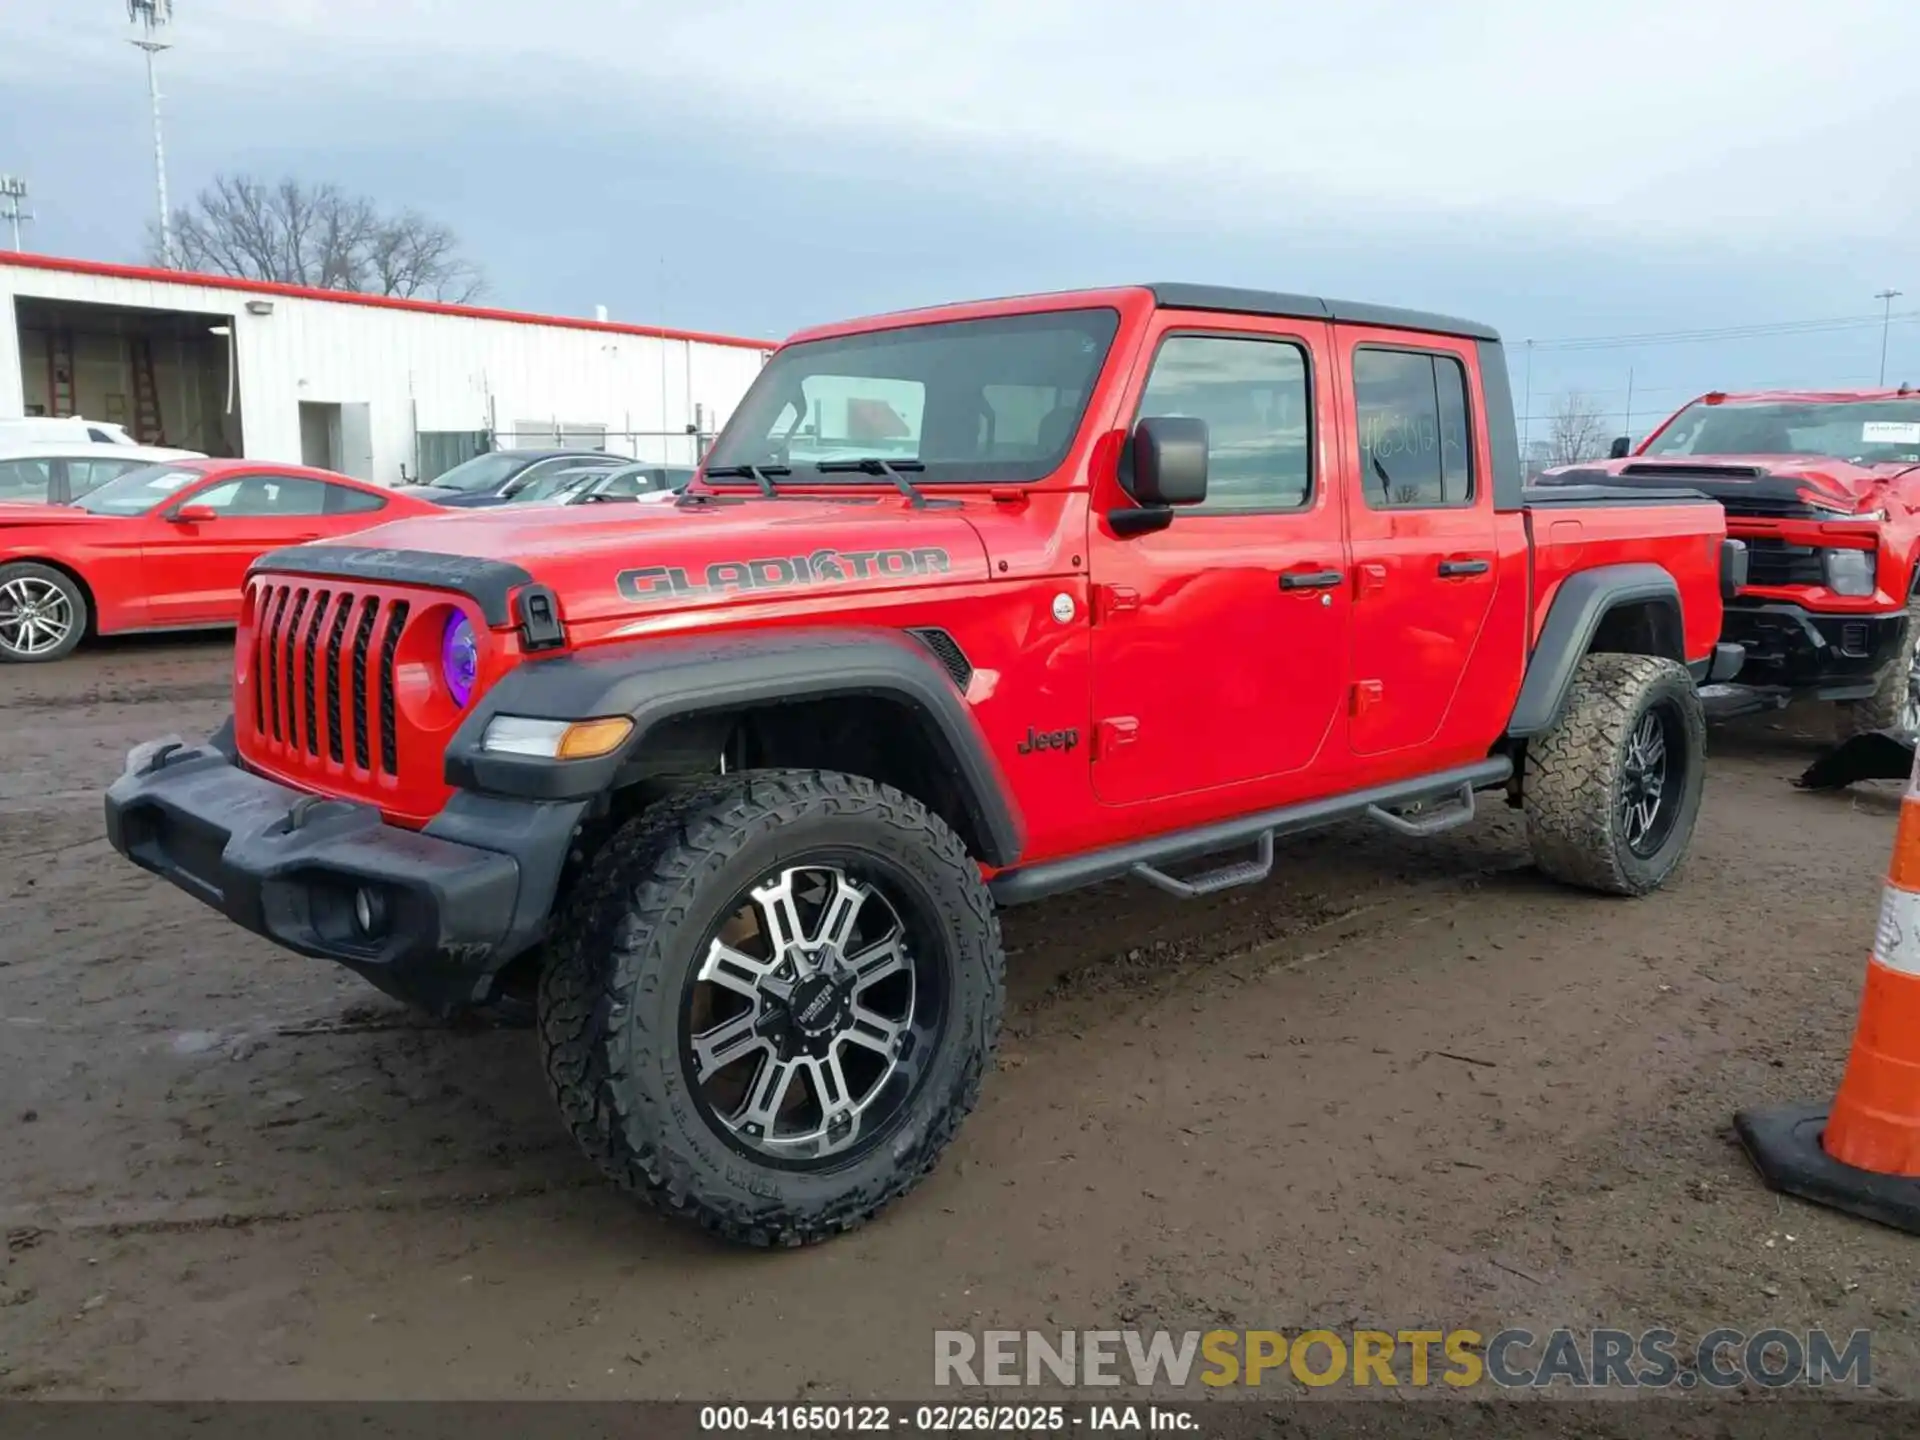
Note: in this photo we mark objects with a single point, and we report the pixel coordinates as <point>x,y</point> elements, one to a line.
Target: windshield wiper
<point>887,469</point>
<point>756,473</point>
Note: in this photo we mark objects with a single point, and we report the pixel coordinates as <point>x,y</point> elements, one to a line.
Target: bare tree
<point>319,235</point>
<point>1578,431</point>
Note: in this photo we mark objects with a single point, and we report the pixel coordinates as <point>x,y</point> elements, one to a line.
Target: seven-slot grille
<point>323,673</point>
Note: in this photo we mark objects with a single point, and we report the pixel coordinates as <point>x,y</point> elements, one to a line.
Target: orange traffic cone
<point>1863,1154</point>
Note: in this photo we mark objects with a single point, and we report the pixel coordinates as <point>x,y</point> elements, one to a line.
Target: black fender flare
<point>1582,602</point>
<point>662,679</point>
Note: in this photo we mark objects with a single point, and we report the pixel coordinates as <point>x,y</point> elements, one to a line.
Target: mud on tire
<point>1587,778</point>
<point>633,952</point>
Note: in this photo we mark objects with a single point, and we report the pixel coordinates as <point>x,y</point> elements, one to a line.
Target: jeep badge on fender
<point>742,816</point>
<point>1047,740</point>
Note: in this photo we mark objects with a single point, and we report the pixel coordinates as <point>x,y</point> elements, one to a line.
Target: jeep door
<point>1220,643</point>
<point>1421,525</point>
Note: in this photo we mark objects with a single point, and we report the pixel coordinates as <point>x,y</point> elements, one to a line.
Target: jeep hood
<point>1835,484</point>
<point>607,562</point>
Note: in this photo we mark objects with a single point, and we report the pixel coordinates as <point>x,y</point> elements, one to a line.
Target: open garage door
<point>162,374</point>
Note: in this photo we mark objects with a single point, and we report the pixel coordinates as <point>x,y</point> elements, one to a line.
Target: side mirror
<point>1621,445</point>
<point>1169,461</point>
<point>194,515</point>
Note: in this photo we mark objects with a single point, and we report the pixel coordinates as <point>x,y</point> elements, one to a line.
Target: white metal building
<point>370,386</point>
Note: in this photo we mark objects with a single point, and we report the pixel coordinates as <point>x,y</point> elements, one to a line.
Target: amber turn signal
<point>589,739</point>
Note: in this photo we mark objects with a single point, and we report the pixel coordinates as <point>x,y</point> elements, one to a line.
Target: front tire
<point>43,613</point>
<point>1895,702</point>
<point>1613,789</point>
<point>769,1003</point>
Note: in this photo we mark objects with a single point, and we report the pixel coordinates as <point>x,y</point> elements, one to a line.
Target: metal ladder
<point>60,372</point>
<point>147,426</point>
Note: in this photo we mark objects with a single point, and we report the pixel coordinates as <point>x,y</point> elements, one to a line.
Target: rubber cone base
<point>1784,1145</point>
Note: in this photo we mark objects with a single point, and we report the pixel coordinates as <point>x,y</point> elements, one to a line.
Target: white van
<point>61,430</point>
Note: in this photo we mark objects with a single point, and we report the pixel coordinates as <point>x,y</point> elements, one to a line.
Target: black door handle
<point>1310,579</point>
<point>1450,568</point>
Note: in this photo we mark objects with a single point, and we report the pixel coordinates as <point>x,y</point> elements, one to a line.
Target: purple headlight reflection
<point>459,658</point>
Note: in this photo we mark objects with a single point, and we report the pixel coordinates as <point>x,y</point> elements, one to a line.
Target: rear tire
<point>667,958</point>
<point>1612,790</point>
<point>1895,702</point>
<point>43,613</point>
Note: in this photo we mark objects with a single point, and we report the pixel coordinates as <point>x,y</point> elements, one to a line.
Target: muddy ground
<point>1402,1083</point>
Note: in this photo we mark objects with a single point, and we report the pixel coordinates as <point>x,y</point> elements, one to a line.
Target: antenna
<point>13,196</point>
<point>153,16</point>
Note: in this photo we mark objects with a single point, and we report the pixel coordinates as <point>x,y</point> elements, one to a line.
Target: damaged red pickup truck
<point>1824,489</point>
<point>970,606</point>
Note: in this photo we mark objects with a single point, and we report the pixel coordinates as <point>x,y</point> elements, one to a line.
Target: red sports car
<point>166,547</point>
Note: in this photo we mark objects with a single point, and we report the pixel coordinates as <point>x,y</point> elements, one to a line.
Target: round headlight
<point>459,658</point>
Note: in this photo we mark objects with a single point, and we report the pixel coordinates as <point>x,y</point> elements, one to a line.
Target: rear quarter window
<point>346,500</point>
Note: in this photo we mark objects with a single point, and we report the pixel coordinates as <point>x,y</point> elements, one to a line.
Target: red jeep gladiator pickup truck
<point>971,605</point>
<point>1824,489</point>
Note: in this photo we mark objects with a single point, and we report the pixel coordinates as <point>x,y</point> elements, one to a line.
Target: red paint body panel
<point>1200,688</point>
<point>1892,489</point>
<point>148,573</point>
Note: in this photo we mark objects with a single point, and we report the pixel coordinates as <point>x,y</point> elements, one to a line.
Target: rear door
<point>1220,643</point>
<point>1421,524</point>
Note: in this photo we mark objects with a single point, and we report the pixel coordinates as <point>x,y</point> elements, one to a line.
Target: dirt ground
<point>1402,1082</point>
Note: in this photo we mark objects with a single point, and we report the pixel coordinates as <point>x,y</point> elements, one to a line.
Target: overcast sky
<point>1556,169</point>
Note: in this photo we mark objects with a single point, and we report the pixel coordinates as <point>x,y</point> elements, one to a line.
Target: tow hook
<point>159,757</point>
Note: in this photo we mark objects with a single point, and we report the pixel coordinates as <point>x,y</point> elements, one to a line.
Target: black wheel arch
<point>784,697</point>
<point>1631,609</point>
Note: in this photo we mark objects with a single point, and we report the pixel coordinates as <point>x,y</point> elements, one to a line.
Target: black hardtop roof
<point>1178,296</point>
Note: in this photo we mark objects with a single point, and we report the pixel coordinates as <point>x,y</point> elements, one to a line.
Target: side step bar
<point>1144,859</point>
<point>1246,872</point>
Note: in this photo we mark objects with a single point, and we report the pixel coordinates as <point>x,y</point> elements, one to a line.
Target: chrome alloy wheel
<point>36,617</point>
<point>811,1018</point>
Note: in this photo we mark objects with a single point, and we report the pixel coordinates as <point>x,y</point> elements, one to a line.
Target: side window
<point>99,437</point>
<point>265,495</point>
<point>1253,395</point>
<point>25,480</point>
<point>345,500</point>
<point>1416,448</point>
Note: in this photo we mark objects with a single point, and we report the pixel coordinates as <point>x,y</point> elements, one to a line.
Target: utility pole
<point>1526,416</point>
<point>13,195</point>
<point>1628,427</point>
<point>1886,299</point>
<point>152,16</point>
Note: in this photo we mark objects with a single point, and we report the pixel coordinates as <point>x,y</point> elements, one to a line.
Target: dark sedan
<point>500,475</point>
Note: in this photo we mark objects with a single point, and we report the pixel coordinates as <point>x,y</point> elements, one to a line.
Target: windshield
<point>984,400</point>
<point>483,472</point>
<point>1867,432</point>
<point>552,484</point>
<point>137,491</point>
<point>642,480</point>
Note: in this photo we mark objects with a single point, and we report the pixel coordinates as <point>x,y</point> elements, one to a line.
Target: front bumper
<point>1804,649</point>
<point>289,865</point>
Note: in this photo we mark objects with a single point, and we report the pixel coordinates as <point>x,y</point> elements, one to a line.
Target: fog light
<point>1850,572</point>
<point>369,912</point>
